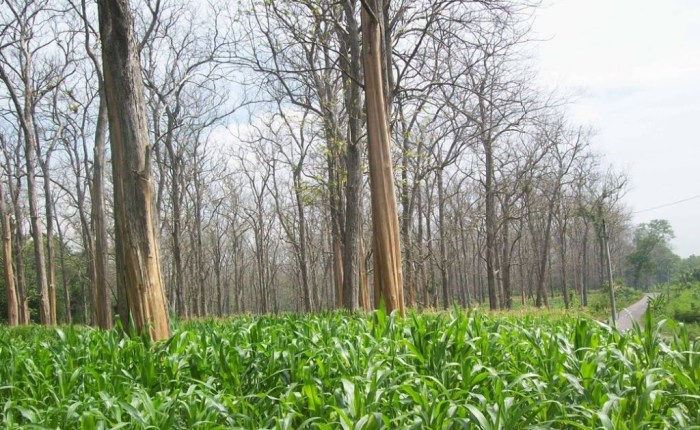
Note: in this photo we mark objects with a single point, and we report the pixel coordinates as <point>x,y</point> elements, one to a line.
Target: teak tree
<point>137,246</point>
<point>385,221</point>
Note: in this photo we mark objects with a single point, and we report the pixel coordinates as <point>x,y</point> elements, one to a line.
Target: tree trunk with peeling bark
<point>387,248</point>
<point>138,256</point>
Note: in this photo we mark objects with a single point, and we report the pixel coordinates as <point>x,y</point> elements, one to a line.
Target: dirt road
<point>634,312</point>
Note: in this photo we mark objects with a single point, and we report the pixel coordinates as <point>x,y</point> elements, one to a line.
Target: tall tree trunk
<point>50,253</point>
<point>521,273</point>
<point>584,266</point>
<point>465,256</point>
<point>350,63</point>
<point>429,285</point>
<point>138,254</point>
<point>544,255</point>
<point>365,303</point>
<point>405,230</point>
<point>175,196</point>
<point>221,296</point>
<point>338,271</point>
<point>562,251</point>
<point>388,275</point>
<point>336,213</point>
<point>103,302</point>
<point>505,264</point>
<point>490,221</point>
<point>68,319</point>
<point>444,274</point>
<point>303,260</point>
<point>421,268</point>
<point>199,250</point>
<point>12,302</point>
<point>37,235</point>
<point>17,246</point>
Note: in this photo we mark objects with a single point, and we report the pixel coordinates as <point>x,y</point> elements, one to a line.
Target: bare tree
<point>138,256</point>
<point>27,83</point>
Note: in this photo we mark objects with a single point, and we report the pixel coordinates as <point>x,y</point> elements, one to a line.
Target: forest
<point>257,148</point>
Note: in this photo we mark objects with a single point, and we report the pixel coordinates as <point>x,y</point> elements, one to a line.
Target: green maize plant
<point>457,370</point>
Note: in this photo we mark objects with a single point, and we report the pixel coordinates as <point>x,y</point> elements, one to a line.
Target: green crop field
<point>341,371</point>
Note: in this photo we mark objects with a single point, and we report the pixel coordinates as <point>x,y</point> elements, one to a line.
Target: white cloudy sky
<point>634,69</point>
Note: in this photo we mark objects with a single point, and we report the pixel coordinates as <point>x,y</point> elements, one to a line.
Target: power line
<point>668,204</point>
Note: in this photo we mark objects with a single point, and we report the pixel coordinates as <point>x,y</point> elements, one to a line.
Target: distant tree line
<point>258,120</point>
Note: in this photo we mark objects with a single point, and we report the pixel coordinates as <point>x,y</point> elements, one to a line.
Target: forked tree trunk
<point>138,256</point>
<point>387,248</point>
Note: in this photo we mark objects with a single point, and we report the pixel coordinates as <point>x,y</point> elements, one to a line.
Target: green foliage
<point>346,371</point>
<point>76,279</point>
<point>651,255</point>
<point>689,270</point>
<point>599,300</point>
<point>680,303</point>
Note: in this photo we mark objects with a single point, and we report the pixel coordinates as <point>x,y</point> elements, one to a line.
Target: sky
<point>632,68</point>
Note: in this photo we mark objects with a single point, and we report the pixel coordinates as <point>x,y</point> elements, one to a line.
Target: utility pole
<point>613,308</point>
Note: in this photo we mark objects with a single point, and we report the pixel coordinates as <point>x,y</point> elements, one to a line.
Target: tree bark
<point>505,264</point>
<point>138,258</point>
<point>388,275</point>
<point>50,253</point>
<point>103,307</point>
<point>544,256</point>
<point>562,250</point>
<point>365,303</point>
<point>303,260</point>
<point>12,302</point>
<point>353,156</point>
<point>444,274</point>
<point>584,266</point>
<point>420,282</point>
<point>37,235</point>
<point>490,221</point>
<point>68,319</point>
<point>17,244</point>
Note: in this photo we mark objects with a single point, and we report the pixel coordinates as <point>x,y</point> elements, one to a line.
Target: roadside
<point>634,312</point>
